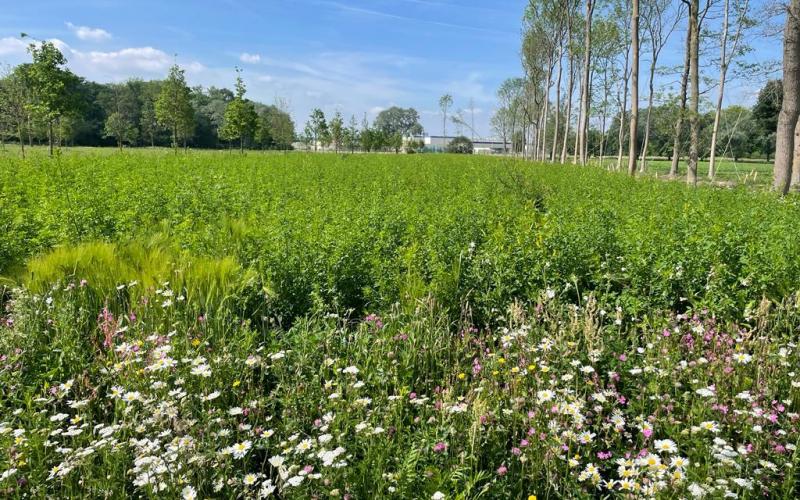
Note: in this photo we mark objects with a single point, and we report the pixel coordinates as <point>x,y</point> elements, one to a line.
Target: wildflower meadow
<point>208,325</point>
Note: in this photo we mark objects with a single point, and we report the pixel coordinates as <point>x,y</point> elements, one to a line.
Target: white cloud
<point>145,59</point>
<point>12,46</point>
<point>250,58</point>
<point>104,66</point>
<point>471,87</point>
<point>89,34</point>
<point>352,82</point>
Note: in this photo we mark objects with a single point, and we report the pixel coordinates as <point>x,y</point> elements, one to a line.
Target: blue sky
<point>354,56</point>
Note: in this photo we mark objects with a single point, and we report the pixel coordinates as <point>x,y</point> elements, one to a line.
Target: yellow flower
<point>196,342</point>
<point>462,376</point>
<point>531,497</point>
<point>236,383</point>
<point>530,369</point>
<point>515,369</point>
<point>495,373</point>
<point>501,360</point>
<point>545,369</point>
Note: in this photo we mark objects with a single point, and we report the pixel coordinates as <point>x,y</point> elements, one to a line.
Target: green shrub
<point>460,145</point>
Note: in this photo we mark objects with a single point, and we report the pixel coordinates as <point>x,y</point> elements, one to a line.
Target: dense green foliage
<point>363,232</point>
<point>86,113</point>
<point>424,326</point>
<point>460,145</point>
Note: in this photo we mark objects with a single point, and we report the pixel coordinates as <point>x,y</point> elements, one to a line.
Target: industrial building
<point>479,146</point>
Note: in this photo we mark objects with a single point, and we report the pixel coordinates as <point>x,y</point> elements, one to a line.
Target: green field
<point>756,172</point>
<point>749,172</point>
<point>391,326</point>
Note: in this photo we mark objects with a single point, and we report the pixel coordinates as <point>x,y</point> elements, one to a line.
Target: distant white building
<point>479,146</point>
<point>491,146</point>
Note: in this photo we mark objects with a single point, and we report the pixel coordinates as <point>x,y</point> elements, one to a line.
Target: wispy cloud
<point>250,58</point>
<point>416,20</point>
<point>89,34</point>
<point>105,65</point>
<point>12,46</point>
<point>447,5</point>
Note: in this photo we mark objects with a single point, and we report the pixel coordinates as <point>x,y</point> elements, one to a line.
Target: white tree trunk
<point>694,79</point>
<point>568,114</point>
<point>623,108</point>
<point>676,145</point>
<point>723,69</point>
<point>632,154</point>
<point>583,125</point>
<point>557,102</point>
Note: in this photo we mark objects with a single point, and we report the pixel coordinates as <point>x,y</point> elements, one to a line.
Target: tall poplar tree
<point>173,106</point>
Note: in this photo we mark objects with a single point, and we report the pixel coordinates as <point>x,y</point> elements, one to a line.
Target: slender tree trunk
<point>50,135</point>
<point>241,144</point>
<point>795,183</point>
<point>790,109</point>
<point>646,143</point>
<point>650,91</point>
<point>583,126</point>
<point>602,138</point>
<point>694,79</point>
<point>578,126</point>
<point>725,61</point>
<point>568,114</point>
<point>557,101</point>
<point>633,143</point>
<point>577,141</point>
<point>676,143</point>
<point>586,118</point>
<point>21,139</point>
<point>723,69</point>
<point>546,111</point>
<point>623,111</point>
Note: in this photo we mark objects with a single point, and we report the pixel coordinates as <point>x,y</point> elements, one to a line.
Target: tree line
<point>579,93</point>
<point>394,129</point>
<point>43,102</point>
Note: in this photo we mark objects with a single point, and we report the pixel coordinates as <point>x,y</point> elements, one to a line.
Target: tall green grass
<point>362,232</point>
